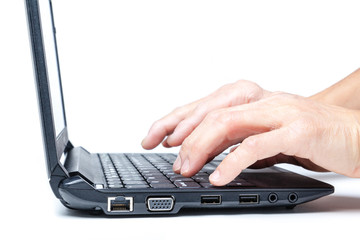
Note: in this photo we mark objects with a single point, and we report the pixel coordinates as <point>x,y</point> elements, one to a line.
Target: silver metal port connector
<point>120,204</point>
<point>210,199</point>
<point>158,204</point>
<point>249,199</point>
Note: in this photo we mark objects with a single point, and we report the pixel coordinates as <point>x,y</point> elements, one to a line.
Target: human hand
<point>178,125</point>
<point>322,137</point>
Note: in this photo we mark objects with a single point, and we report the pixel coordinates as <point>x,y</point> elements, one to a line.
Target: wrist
<point>332,95</point>
<point>345,93</point>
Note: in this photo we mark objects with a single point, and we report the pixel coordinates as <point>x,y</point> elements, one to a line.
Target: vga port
<point>158,204</point>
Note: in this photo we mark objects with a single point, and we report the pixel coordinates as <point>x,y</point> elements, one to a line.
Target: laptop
<point>138,183</point>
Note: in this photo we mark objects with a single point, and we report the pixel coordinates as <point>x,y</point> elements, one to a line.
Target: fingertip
<point>169,140</point>
<point>218,178</point>
<point>166,144</point>
<point>155,136</point>
<point>185,167</point>
<point>175,139</point>
<point>177,165</point>
<point>226,171</point>
<point>144,144</point>
<point>214,178</point>
<point>148,144</point>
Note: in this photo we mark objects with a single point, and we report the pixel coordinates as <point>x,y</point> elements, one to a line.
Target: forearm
<point>345,93</point>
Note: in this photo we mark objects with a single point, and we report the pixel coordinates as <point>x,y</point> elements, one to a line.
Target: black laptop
<point>136,183</point>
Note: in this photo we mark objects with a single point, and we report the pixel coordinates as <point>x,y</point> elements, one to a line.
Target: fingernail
<point>215,176</point>
<point>177,164</point>
<point>185,167</point>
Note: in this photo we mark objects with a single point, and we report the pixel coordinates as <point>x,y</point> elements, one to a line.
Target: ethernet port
<point>120,204</point>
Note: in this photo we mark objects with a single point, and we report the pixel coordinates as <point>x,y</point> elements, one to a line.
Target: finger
<point>252,149</point>
<point>165,144</point>
<point>222,98</point>
<point>185,127</point>
<point>220,130</point>
<point>166,125</point>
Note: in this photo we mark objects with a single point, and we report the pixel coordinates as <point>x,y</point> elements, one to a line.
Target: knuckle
<point>234,159</point>
<point>245,83</point>
<point>200,109</point>
<point>196,149</point>
<point>242,82</point>
<point>156,125</point>
<point>298,133</point>
<point>185,145</point>
<point>212,116</point>
<point>218,117</point>
<point>189,147</point>
<point>281,96</point>
<point>224,121</point>
<point>226,87</point>
<point>178,110</point>
<point>251,142</point>
<point>251,145</point>
<point>302,126</point>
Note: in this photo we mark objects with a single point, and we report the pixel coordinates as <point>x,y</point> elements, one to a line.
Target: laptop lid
<point>48,83</point>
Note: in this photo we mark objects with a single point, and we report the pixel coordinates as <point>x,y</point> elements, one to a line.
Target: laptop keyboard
<point>155,171</point>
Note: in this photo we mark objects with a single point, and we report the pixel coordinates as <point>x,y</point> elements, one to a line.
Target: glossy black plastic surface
<point>80,194</point>
<point>54,146</point>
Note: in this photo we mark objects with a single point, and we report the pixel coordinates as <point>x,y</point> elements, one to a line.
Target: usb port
<point>120,204</point>
<point>211,199</point>
<point>249,199</point>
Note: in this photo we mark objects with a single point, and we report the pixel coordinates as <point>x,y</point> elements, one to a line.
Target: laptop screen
<point>52,64</point>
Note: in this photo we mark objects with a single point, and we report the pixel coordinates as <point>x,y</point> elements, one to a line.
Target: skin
<point>320,133</point>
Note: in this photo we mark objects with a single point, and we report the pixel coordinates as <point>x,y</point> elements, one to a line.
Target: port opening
<point>120,204</point>
<point>249,199</point>
<point>158,204</point>
<point>210,199</point>
<point>293,197</point>
<point>273,197</point>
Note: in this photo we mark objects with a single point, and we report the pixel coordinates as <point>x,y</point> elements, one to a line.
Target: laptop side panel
<point>275,187</point>
<point>78,194</point>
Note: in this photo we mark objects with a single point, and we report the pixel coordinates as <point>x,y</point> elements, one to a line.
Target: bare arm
<point>345,93</point>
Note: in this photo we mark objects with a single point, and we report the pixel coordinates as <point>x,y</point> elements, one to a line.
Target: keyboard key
<point>180,184</point>
<point>132,178</point>
<point>162,185</point>
<point>152,178</point>
<point>240,184</point>
<point>180,177</point>
<point>207,185</point>
<point>134,182</point>
<point>201,179</point>
<point>137,186</point>
<point>115,185</point>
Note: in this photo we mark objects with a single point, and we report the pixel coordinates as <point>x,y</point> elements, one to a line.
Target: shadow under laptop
<point>326,204</point>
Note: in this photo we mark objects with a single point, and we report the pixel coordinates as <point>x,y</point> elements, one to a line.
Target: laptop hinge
<point>57,175</point>
<point>68,147</point>
<point>79,162</point>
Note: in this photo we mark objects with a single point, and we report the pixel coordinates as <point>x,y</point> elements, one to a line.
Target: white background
<point>125,64</point>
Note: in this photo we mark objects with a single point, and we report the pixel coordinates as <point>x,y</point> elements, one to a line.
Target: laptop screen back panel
<point>48,80</point>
